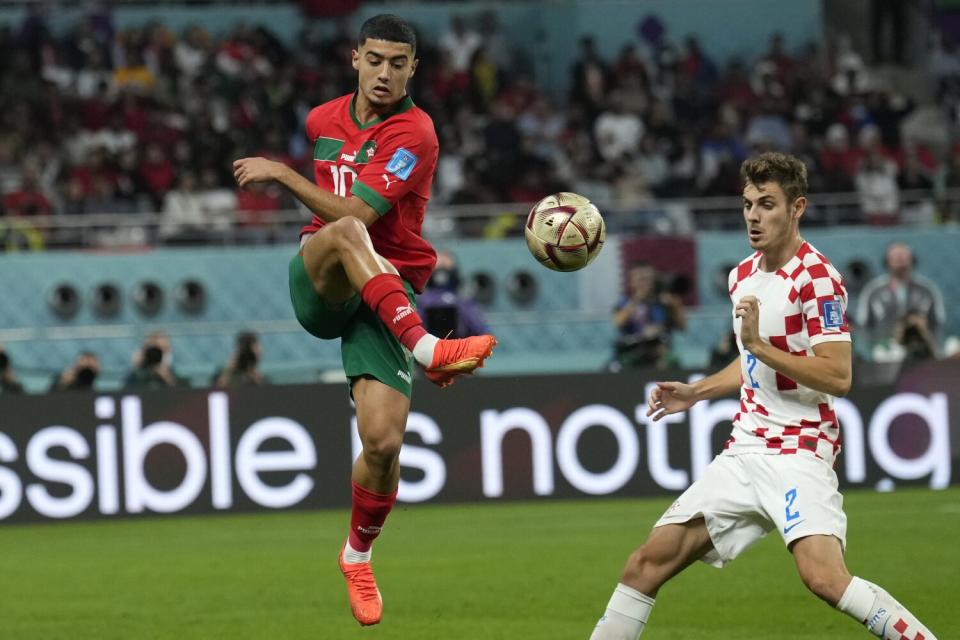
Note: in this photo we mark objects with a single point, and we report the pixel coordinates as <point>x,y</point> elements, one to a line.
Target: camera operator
<point>80,375</point>
<point>152,364</point>
<point>444,309</point>
<point>241,368</point>
<point>644,319</point>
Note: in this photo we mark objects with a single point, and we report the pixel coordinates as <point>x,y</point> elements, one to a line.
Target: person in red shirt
<point>28,200</point>
<point>361,259</point>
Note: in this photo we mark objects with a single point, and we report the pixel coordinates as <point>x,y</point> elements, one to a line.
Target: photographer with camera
<point>645,317</point>
<point>80,375</point>
<point>8,380</point>
<point>444,309</point>
<point>901,313</point>
<point>152,364</point>
<point>241,368</point>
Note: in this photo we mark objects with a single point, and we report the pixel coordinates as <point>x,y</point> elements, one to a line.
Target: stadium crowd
<point>101,120</point>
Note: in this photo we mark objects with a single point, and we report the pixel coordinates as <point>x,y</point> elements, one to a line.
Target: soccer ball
<point>565,231</point>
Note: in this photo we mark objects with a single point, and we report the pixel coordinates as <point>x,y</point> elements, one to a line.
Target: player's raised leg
<point>341,261</point>
<point>820,563</point>
<point>381,420</point>
<point>668,551</point>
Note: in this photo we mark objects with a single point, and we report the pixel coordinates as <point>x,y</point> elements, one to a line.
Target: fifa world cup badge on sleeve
<point>402,163</point>
<point>832,314</point>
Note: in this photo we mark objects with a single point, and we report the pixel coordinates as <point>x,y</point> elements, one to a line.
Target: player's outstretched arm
<point>828,371</point>
<point>673,397</point>
<point>328,206</point>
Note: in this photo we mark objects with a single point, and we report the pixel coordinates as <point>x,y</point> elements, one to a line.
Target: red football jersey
<point>389,164</point>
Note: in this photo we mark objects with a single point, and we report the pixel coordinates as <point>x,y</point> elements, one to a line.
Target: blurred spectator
<point>617,131</point>
<point>443,309</point>
<point>242,367</point>
<point>888,30</point>
<point>460,43</point>
<point>839,162</point>
<point>28,200</point>
<point>80,375</point>
<point>257,203</point>
<point>591,78</point>
<point>183,217</point>
<point>153,364</point>
<point>8,379</point>
<point>644,318</point>
<point>877,188</point>
<point>696,65</point>
<point>901,310</point>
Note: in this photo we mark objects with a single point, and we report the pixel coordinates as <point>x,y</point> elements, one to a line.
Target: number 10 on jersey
<point>340,173</point>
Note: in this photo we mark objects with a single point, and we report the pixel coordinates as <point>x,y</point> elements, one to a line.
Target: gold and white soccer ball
<point>565,231</point>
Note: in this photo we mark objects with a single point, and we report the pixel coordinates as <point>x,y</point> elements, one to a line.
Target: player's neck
<point>365,111</point>
<point>775,257</point>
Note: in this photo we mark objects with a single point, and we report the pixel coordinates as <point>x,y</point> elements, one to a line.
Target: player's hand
<point>250,170</point>
<point>748,310</point>
<point>670,397</point>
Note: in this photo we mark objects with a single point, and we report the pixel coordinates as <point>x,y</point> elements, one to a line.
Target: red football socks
<point>369,513</point>
<point>385,294</point>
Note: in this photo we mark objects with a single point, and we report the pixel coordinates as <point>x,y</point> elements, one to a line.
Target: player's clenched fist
<point>748,310</point>
<point>248,170</point>
<point>670,397</point>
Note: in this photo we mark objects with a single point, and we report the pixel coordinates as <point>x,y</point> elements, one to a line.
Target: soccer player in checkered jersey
<point>776,470</point>
<point>360,261</point>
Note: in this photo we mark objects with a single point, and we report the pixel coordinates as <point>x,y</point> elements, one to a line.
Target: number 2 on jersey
<point>751,365</point>
<point>340,173</point>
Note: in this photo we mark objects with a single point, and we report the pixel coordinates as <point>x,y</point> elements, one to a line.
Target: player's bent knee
<point>382,450</point>
<point>350,232</point>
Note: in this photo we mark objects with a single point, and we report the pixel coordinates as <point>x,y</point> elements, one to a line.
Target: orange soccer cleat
<point>452,358</point>
<point>365,601</point>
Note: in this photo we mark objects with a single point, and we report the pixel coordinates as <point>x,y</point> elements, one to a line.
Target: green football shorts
<point>367,347</point>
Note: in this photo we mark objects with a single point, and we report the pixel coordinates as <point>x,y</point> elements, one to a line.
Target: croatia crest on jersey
<point>831,314</point>
<point>402,163</point>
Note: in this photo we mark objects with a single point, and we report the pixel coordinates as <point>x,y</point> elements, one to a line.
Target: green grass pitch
<point>511,571</point>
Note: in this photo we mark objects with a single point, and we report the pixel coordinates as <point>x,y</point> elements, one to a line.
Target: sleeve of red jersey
<point>824,302</point>
<point>400,163</point>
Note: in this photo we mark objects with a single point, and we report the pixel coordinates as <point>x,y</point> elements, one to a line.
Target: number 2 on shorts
<point>791,497</point>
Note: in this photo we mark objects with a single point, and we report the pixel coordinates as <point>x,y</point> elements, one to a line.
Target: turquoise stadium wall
<point>566,328</point>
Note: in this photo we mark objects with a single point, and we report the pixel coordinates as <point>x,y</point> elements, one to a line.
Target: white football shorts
<point>743,497</point>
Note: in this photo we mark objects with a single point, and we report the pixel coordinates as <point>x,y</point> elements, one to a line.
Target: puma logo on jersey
<point>403,375</point>
<point>349,157</point>
<point>402,312</point>
<point>387,179</point>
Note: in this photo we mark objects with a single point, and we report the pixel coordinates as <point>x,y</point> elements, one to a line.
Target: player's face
<point>385,67</point>
<point>771,220</point>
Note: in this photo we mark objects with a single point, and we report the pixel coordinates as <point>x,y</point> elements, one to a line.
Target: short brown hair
<point>784,169</point>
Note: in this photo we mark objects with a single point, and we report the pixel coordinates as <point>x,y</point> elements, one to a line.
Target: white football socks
<point>626,615</point>
<point>880,613</point>
<point>352,556</point>
<point>423,350</point>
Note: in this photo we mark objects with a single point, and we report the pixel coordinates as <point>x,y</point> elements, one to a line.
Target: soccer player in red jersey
<point>361,260</point>
<point>776,470</point>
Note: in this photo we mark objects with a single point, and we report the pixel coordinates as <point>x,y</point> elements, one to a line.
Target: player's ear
<point>355,59</point>
<point>799,207</point>
<point>413,66</point>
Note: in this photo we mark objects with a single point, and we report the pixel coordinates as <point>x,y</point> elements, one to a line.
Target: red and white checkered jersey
<point>802,304</point>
